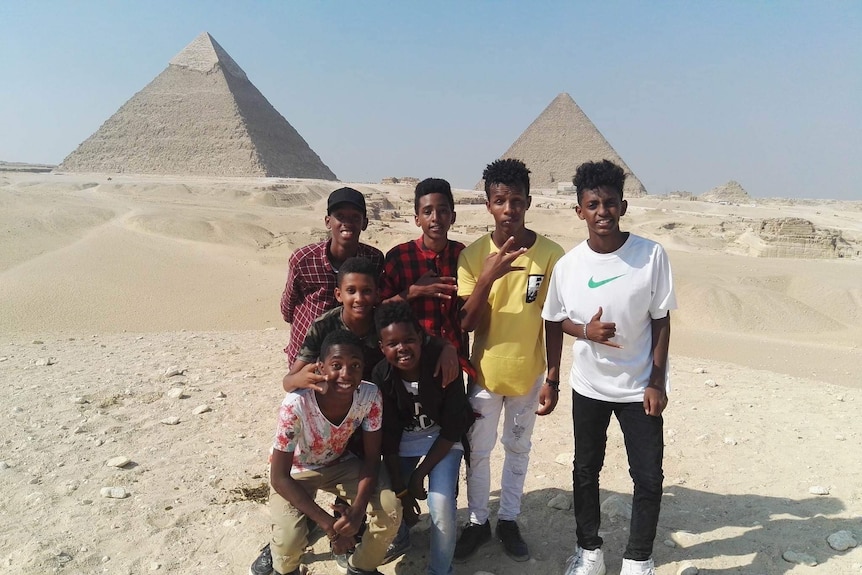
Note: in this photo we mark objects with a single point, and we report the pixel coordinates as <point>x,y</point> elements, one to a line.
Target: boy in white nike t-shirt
<point>613,293</point>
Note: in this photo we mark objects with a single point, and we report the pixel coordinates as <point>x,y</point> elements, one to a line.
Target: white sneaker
<point>586,562</point>
<point>632,567</point>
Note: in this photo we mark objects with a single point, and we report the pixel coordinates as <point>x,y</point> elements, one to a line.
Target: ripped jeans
<point>519,418</point>
<point>290,530</point>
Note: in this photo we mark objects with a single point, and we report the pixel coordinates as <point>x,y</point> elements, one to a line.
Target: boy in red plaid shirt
<point>422,271</point>
<point>312,270</point>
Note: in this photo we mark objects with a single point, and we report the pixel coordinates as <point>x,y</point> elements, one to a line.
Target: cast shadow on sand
<point>720,534</point>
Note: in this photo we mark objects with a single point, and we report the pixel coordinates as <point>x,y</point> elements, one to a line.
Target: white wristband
<point>585,332</point>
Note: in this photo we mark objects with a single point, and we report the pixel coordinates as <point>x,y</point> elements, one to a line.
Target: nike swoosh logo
<point>595,284</point>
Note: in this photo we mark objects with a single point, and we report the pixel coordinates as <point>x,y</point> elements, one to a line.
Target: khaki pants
<point>290,530</point>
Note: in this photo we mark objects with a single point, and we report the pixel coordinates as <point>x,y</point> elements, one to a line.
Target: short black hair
<point>594,175</point>
<point>359,265</point>
<point>509,172</point>
<point>432,186</point>
<point>395,312</point>
<point>340,337</point>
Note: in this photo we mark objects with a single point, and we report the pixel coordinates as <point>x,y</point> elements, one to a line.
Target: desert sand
<point>139,320</point>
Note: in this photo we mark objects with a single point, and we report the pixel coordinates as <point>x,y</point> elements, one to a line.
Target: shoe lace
<point>579,564</point>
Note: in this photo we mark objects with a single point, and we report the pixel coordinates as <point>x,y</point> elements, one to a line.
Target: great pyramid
<point>200,116</point>
<point>561,139</point>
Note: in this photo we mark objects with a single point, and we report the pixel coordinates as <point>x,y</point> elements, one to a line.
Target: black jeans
<point>644,439</point>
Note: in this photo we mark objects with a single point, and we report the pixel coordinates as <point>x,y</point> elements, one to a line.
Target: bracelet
<point>585,332</point>
<point>402,494</point>
<point>333,537</point>
<point>555,385</point>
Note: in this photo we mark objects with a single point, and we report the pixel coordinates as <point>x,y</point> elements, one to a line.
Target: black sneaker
<point>351,570</point>
<point>472,537</point>
<point>513,543</point>
<point>399,545</point>
<point>314,530</point>
<point>263,564</point>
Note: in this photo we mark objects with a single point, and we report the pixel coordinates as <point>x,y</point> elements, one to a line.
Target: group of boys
<point>613,293</point>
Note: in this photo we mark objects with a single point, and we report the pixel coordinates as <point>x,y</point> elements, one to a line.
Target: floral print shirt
<point>314,440</point>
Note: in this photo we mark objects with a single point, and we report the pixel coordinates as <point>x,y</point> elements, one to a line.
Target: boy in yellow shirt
<point>502,281</point>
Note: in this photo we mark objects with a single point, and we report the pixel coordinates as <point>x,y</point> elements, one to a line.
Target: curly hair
<point>433,186</point>
<point>395,312</point>
<point>343,338</point>
<point>593,175</point>
<point>358,265</point>
<point>509,172</point>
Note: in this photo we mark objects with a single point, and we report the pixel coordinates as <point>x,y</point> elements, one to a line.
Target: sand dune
<point>107,285</point>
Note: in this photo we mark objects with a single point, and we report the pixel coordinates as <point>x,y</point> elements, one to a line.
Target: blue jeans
<point>442,503</point>
<point>643,436</point>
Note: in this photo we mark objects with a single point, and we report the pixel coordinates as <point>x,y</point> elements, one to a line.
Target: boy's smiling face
<point>345,224</point>
<point>342,368</point>
<point>509,206</point>
<point>434,216</point>
<point>601,209</point>
<point>358,294</point>
<point>401,344</point>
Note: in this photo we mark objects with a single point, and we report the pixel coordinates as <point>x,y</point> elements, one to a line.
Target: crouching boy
<point>425,427</point>
<point>310,453</point>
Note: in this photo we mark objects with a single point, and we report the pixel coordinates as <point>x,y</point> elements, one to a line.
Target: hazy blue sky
<point>691,94</point>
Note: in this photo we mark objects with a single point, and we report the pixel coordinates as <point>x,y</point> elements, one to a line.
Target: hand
<point>600,331</point>
<point>500,263</point>
<point>548,398</point>
<point>448,365</point>
<point>307,378</point>
<point>432,285</point>
<point>655,400</point>
<point>410,511</point>
<point>341,544</point>
<point>349,522</point>
<point>416,487</point>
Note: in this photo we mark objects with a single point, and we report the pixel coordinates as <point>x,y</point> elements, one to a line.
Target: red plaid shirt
<point>310,289</point>
<point>404,265</point>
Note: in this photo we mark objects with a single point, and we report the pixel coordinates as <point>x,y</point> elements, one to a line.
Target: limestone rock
<point>799,558</point>
<point>113,492</point>
<point>617,507</point>
<point>119,461</point>
<point>842,540</point>
<point>561,501</point>
<point>798,238</point>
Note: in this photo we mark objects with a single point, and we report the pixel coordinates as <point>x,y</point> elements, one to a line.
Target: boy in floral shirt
<point>310,453</point>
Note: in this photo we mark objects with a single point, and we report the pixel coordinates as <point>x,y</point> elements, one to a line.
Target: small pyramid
<point>561,139</point>
<point>731,192</point>
<point>200,116</point>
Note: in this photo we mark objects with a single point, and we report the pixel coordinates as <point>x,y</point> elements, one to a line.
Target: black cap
<point>345,196</point>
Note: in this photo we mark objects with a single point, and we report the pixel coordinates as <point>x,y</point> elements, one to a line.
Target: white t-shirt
<point>633,286</point>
